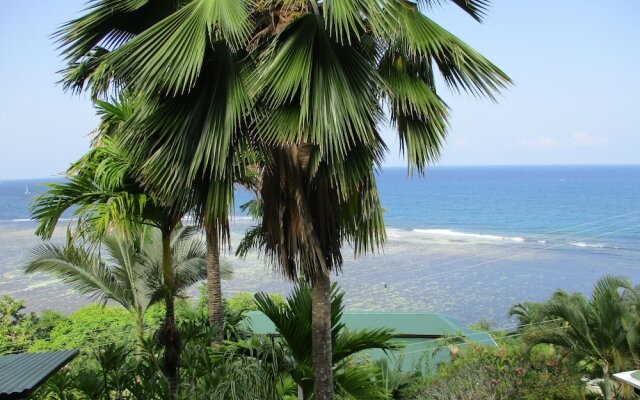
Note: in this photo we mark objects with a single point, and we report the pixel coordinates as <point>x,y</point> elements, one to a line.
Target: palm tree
<point>309,82</point>
<point>594,330</point>
<point>304,223</point>
<point>293,321</point>
<point>125,271</point>
<point>105,191</point>
<point>290,355</point>
<point>531,313</point>
<point>103,188</point>
<point>192,127</point>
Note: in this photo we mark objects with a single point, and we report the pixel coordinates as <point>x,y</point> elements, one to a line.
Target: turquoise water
<point>467,241</point>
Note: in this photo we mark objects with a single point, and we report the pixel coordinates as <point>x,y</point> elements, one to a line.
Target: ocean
<point>465,241</point>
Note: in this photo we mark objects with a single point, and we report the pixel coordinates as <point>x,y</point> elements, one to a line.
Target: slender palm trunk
<point>321,338</point>
<point>139,334</point>
<point>171,336</point>
<point>105,384</point>
<point>214,287</point>
<point>606,383</point>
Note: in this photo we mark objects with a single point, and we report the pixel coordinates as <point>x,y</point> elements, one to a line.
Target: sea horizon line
<point>399,166</point>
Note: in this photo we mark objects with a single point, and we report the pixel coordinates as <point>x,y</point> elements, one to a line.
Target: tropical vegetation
<point>293,322</point>
<point>104,194</point>
<point>125,271</point>
<point>562,356</point>
<point>244,366</point>
<point>286,96</point>
<point>599,333</point>
<point>507,373</point>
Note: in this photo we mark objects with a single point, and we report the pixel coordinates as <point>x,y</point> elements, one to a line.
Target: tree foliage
<point>127,271</point>
<point>353,377</point>
<point>597,331</point>
<point>299,87</point>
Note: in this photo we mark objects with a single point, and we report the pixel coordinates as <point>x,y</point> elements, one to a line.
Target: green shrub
<point>16,327</point>
<point>88,327</point>
<point>46,322</point>
<point>501,374</point>
<point>244,301</point>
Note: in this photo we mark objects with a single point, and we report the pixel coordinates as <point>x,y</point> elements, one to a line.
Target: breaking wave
<point>456,234</point>
<point>583,244</point>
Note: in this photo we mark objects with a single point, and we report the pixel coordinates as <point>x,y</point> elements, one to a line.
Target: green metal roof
<point>21,374</point>
<point>421,335</point>
<point>407,324</point>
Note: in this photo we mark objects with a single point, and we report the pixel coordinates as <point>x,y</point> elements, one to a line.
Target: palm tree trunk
<point>214,287</point>
<point>606,385</point>
<point>172,351</point>
<point>321,338</point>
<point>169,331</point>
<point>139,334</point>
<point>105,383</point>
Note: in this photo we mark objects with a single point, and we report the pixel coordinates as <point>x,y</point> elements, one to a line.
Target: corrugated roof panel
<point>420,334</point>
<point>21,374</point>
<point>405,323</point>
<point>414,324</point>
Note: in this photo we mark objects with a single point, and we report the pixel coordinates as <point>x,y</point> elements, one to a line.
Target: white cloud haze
<point>577,139</point>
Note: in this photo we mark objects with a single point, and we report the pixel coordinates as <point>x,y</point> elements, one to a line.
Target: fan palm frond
<point>169,55</point>
<point>324,91</point>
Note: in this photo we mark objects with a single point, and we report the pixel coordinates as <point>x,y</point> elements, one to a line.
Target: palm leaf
<point>359,381</point>
<point>462,67</point>
<point>109,22</point>
<point>475,8</point>
<point>293,322</point>
<point>169,55</point>
<point>202,155</point>
<point>188,261</point>
<point>326,87</point>
<point>80,269</point>
<point>594,330</point>
<point>348,342</point>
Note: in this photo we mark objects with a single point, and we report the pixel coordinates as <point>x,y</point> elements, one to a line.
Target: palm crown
<point>226,73</point>
<point>126,271</point>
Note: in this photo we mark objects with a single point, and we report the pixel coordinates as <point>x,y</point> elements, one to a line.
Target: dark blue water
<point>468,241</point>
<point>527,202</point>
<point>15,199</point>
<point>535,203</point>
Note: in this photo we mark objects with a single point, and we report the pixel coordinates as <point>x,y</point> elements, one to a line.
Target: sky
<point>575,99</point>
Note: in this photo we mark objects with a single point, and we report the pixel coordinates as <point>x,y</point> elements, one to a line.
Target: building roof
<point>21,374</point>
<point>407,324</point>
<point>422,335</point>
<point>631,378</point>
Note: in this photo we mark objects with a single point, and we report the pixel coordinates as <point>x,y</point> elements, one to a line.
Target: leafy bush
<point>118,371</point>
<point>89,326</point>
<point>501,374</point>
<point>47,320</point>
<point>239,302</point>
<point>16,327</point>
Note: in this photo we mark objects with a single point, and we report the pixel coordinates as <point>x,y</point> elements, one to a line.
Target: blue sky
<point>575,101</point>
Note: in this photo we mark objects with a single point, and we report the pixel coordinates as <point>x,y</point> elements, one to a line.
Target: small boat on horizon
<point>26,190</point>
